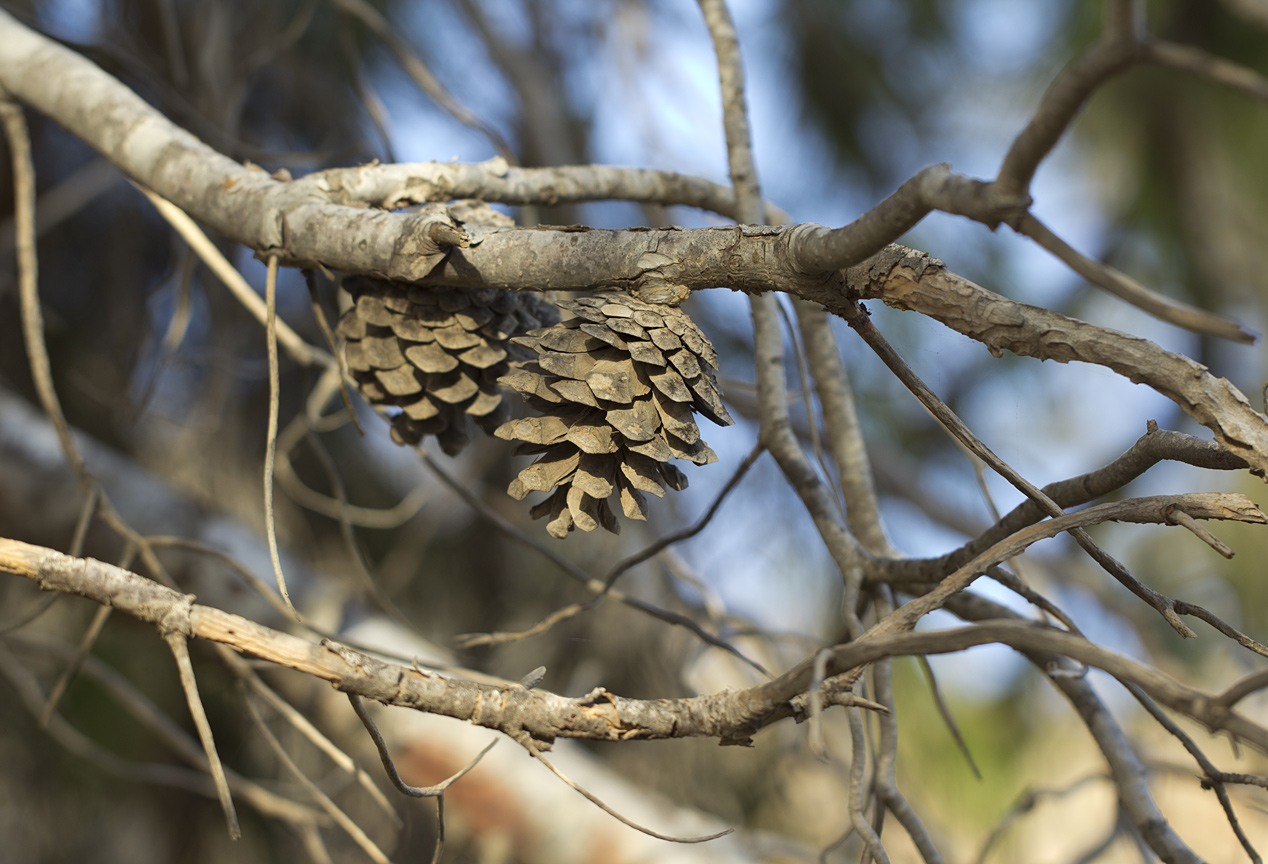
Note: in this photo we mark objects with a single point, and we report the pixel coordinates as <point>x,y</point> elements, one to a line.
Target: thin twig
<point>305,727</point>
<point>1201,532</point>
<point>69,674</point>
<point>593,585</point>
<point>1027,802</point>
<point>700,524</point>
<point>15,131</point>
<point>319,314</point>
<point>593,799</point>
<point>1210,774</point>
<point>351,828</point>
<point>189,683</point>
<point>262,588</point>
<point>422,76</point>
<point>1063,100</point>
<point>370,101</point>
<point>300,351</point>
<point>389,767</point>
<point>807,404</point>
<point>844,432</point>
<point>858,320</point>
<point>264,801</point>
<point>944,711</point>
<point>856,804</point>
<point>1128,289</point>
<point>270,441</point>
<point>885,781</point>
<point>1200,64</point>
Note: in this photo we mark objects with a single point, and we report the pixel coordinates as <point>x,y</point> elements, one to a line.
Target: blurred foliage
<point>273,84</point>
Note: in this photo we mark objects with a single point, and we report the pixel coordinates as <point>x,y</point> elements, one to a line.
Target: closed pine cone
<point>617,387</point>
<point>431,357</point>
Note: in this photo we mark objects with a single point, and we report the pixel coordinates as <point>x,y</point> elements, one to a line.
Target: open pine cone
<point>430,358</point>
<point>617,387</point>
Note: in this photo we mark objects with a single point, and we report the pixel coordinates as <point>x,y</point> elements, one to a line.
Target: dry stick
<point>65,198</point>
<point>437,791</point>
<point>351,828</point>
<point>390,768</point>
<point>332,508</point>
<point>28,282</point>
<point>167,731</point>
<point>392,186</point>
<point>914,282</point>
<point>1210,774</point>
<point>776,430</point>
<point>311,839</point>
<point>1252,12</point>
<point>346,531</point>
<point>37,352</point>
<point>593,799</point>
<point>1021,589</point>
<point>1125,767</point>
<point>1112,54</point>
<point>1185,520</point>
<point>848,448</point>
<point>863,513</point>
<point>1126,770</point>
<point>214,259</point>
<point>270,441</point>
<point>858,319</point>
<point>182,314</point>
<point>305,727</point>
<point>732,716</point>
<point>1222,506</point>
<point>175,639</point>
<point>1243,779</point>
<point>1240,690</point>
<point>422,76</point>
<point>85,647</point>
<point>1128,289</point>
<point>15,130</point>
<point>1148,450</point>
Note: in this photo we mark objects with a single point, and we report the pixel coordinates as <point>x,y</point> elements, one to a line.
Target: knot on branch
<point>177,620</point>
<point>425,243</point>
<point>979,200</point>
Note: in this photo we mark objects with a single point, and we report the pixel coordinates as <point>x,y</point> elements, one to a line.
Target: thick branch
<point>914,282</point>
<point>539,716</point>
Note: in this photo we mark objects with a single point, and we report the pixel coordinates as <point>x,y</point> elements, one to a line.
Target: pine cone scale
<point>637,373</point>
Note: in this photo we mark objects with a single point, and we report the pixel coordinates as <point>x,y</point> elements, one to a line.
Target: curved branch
<point>915,282</point>
<point>538,716</point>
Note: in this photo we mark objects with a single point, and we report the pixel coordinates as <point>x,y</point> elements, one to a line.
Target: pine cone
<point>431,357</point>
<point>617,387</point>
